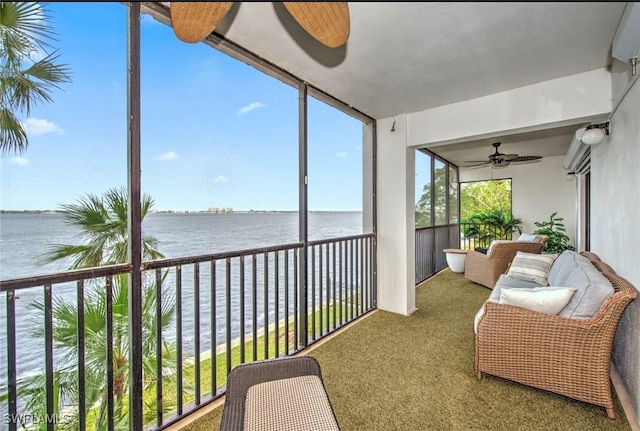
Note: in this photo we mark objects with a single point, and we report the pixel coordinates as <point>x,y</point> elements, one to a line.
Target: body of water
<point>25,238</point>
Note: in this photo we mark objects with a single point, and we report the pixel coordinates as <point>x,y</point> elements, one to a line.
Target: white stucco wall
<point>615,234</point>
<point>395,218</point>
<point>538,190</point>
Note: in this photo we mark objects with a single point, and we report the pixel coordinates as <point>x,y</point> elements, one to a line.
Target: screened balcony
<point>296,292</point>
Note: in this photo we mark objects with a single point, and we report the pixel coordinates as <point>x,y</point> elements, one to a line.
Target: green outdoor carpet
<point>392,372</point>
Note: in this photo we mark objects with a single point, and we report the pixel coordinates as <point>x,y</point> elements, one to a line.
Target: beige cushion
<point>549,300</point>
<point>531,267</point>
<point>294,404</point>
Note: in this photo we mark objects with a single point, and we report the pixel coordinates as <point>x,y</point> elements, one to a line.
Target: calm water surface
<point>24,238</point>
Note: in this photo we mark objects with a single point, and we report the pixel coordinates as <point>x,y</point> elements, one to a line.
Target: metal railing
<point>431,241</point>
<point>429,245</point>
<point>474,235</point>
<point>203,316</point>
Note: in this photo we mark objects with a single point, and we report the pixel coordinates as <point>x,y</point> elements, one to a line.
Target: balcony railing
<point>474,235</point>
<point>204,315</point>
<point>430,241</point>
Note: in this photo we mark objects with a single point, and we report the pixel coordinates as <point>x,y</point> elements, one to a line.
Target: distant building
<point>220,210</point>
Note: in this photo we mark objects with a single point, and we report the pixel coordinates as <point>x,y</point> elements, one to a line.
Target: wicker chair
<point>571,357</point>
<point>317,412</point>
<point>486,268</point>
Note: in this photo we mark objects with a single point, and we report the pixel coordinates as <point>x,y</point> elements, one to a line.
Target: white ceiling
<point>404,57</point>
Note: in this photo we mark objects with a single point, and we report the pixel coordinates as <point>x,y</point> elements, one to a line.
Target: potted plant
<point>554,229</point>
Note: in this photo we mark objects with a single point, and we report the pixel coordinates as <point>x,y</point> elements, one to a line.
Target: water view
<point>25,237</point>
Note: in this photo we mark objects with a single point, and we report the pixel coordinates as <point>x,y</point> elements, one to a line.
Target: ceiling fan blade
<point>525,159</point>
<point>193,21</point>
<point>509,157</point>
<point>327,22</point>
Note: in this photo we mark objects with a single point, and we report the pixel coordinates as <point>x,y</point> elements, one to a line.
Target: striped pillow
<point>531,267</point>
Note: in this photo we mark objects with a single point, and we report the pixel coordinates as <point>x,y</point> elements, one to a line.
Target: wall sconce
<point>571,176</point>
<point>595,133</point>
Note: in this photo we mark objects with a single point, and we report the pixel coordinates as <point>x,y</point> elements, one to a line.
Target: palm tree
<point>103,225</point>
<point>103,229</point>
<point>29,72</point>
<point>494,224</point>
<point>65,321</point>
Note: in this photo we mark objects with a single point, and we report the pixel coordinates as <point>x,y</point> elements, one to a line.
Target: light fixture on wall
<point>595,133</point>
<point>571,176</point>
<point>393,126</point>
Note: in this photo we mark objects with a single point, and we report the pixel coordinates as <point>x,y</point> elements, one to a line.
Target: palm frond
<point>29,20</point>
<point>24,31</point>
<point>12,134</point>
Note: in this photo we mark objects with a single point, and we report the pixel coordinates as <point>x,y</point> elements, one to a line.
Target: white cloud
<point>220,179</point>
<point>249,108</point>
<point>341,154</point>
<point>38,126</point>
<point>170,155</point>
<point>20,161</point>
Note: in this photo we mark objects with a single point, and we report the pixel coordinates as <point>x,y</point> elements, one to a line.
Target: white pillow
<point>549,300</point>
<point>525,237</point>
<point>531,267</point>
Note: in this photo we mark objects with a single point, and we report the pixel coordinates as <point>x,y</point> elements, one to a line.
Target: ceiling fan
<point>327,22</point>
<point>499,160</point>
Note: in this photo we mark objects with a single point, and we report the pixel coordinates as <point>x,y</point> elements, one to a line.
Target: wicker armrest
<point>485,269</point>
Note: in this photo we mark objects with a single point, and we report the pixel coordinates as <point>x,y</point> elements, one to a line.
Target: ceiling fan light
<point>593,136</point>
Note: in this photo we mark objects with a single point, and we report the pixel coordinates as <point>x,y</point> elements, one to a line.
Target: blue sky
<point>215,131</point>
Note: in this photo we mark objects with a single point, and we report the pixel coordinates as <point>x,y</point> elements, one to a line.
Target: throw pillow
<point>531,267</point>
<point>549,300</point>
<point>525,237</point>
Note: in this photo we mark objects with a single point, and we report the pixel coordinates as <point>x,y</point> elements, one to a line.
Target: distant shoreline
<point>30,211</point>
<point>189,212</point>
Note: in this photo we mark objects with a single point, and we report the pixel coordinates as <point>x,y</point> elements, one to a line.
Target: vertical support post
<point>374,251</point>
<point>134,217</point>
<point>459,209</point>
<point>447,210</point>
<point>12,385</point>
<point>48,359</point>
<point>432,216</point>
<point>302,210</point>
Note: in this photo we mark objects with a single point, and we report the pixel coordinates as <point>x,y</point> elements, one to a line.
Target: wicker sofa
<point>568,356</point>
<point>486,268</point>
